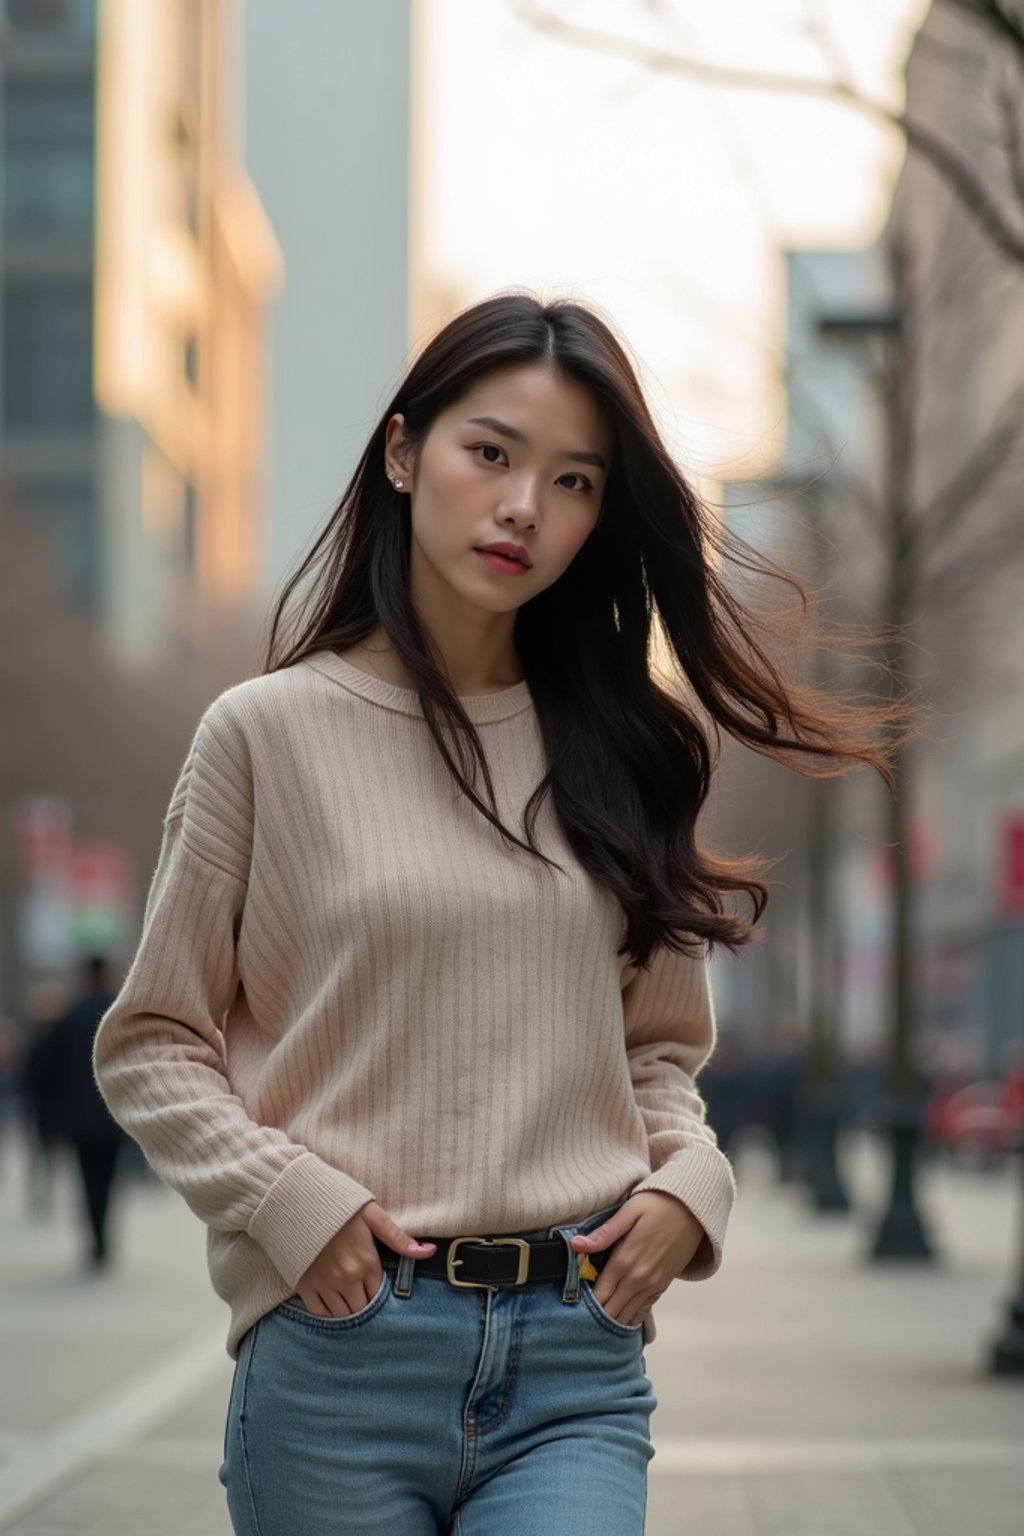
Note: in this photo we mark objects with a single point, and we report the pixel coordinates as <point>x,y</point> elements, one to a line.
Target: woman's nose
<point>521,505</point>
<point>518,518</point>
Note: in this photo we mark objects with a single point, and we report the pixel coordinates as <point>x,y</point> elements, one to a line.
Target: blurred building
<point>805,517</point>
<point>334,131</point>
<point>970,364</point>
<point>46,257</point>
<point>961,314</point>
<point>138,267</point>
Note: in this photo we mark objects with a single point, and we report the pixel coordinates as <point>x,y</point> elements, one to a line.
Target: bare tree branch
<point>951,54</point>
<point>955,169</point>
<point>1013,133</point>
<point>855,493</point>
<point>995,16</point>
<point>817,28</point>
<point>851,488</point>
<point>950,582</point>
<point>943,512</point>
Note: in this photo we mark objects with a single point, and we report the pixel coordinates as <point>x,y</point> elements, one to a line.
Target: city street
<point>510,559</point>
<point>800,1393</point>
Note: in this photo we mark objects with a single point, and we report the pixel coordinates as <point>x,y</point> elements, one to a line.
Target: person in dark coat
<point>75,1110</point>
<point>47,1001</point>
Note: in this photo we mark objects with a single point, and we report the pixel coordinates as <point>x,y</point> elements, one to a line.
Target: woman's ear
<point>398,453</point>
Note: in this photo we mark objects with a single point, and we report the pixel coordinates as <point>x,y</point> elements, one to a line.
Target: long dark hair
<point>630,762</point>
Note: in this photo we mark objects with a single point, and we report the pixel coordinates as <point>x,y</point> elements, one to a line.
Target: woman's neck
<point>377,656</point>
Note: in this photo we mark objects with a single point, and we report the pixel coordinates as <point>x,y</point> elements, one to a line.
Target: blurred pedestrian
<point>776,1090</point>
<point>10,1066</point>
<point>46,1002</point>
<point>425,953</point>
<point>72,1108</point>
<point>726,1088</point>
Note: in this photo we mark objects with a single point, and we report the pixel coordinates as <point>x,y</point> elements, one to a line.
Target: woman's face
<point>521,459</point>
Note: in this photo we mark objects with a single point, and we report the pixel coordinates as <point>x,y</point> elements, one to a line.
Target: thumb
<point>603,1236</point>
<point>382,1226</point>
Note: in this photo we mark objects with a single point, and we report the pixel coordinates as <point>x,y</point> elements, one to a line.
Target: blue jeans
<point>435,1411</point>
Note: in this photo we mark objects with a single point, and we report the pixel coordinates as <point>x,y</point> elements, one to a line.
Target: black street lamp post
<point>1006,1357</point>
<point>820,1086</point>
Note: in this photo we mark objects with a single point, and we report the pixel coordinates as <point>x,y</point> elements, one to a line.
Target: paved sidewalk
<point>801,1393</point>
<point>805,1392</point>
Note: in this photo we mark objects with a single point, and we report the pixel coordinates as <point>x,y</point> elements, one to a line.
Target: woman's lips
<point>503,563</point>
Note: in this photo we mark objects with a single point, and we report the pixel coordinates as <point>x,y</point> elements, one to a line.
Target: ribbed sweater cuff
<point>301,1211</point>
<point>702,1178</point>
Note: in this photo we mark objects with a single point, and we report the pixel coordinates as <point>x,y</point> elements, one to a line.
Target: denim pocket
<point>612,1324</point>
<point>609,1323</point>
<point>295,1310</point>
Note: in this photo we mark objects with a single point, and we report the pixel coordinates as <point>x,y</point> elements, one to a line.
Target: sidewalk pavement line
<point>108,1424</point>
<point>708,1457</point>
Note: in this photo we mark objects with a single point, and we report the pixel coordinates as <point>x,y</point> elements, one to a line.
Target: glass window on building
<point>188,528</point>
<point>47,357</point>
<point>190,358</point>
<point>190,23</point>
<point>75,18</point>
<point>49,133</point>
<point>64,515</point>
<point>190,20</point>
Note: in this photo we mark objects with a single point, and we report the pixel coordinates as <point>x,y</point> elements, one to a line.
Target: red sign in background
<point>101,889</point>
<point>1011,866</point>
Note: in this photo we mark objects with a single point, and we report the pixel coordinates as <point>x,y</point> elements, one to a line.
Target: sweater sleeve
<point>670,1033</point>
<point>159,1057</point>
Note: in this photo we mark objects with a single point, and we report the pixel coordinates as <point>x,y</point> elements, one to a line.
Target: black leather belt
<point>500,1261</point>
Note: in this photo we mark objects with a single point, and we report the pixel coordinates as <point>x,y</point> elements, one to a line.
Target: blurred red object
<point>981,1117</point>
<point>1011,867</point>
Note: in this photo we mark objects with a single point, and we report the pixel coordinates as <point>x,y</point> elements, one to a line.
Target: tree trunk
<point>901,1234</point>
<point>820,1088</point>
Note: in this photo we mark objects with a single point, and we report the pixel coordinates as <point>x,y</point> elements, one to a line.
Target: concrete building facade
<point>963,335</point>
<point>138,268</point>
<point>330,144</point>
<point>47,417</point>
<point>806,518</point>
<point>186,267</point>
<point>970,365</point>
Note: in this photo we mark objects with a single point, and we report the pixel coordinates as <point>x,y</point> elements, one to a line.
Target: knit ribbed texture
<point>349,988</point>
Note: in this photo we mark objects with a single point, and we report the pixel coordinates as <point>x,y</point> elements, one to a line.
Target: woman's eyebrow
<point>581,456</point>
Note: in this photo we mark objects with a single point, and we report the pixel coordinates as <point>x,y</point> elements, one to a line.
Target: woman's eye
<point>490,448</point>
<point>584,483</point>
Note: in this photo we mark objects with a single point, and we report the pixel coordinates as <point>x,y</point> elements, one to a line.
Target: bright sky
<point>662,200</point>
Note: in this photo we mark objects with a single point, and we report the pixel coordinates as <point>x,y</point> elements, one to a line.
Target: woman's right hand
<point>345,1276</point>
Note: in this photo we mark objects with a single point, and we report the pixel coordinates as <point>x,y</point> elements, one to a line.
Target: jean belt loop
<point>403,1276</point>
<point>571,1288</point>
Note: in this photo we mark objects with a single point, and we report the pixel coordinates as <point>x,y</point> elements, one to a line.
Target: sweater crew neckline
<point>482,708</point>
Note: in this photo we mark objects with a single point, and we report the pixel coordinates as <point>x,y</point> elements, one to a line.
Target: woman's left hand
<point>655,1237</point>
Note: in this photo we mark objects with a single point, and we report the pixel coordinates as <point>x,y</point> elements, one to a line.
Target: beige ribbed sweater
<point>348,988</point>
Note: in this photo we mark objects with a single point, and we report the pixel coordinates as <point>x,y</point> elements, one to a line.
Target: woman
<point>421,993</point>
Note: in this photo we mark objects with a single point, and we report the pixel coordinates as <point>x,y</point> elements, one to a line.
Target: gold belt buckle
<point>488,1242</point>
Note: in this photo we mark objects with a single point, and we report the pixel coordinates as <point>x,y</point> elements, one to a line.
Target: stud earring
<point>396,483</point>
